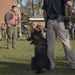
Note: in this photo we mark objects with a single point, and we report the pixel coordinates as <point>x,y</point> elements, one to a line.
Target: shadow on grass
<point>7,68</point>
<point>62,68</point>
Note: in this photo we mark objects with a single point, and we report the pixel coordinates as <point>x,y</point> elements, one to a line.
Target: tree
<point>26,11</point>
<point>30,8</point>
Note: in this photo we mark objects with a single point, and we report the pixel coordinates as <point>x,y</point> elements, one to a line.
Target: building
<point>37,20</point>
<point>5,5</point>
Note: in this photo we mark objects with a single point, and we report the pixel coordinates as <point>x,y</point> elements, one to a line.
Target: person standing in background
<point>11,19</point>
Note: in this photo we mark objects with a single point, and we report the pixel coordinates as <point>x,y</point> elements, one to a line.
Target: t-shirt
<point>55,7</point>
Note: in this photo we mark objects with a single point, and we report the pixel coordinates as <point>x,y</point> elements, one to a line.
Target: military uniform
<point>12,19</point>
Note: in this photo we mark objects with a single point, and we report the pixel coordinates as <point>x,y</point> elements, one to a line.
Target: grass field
<point>17,61</point>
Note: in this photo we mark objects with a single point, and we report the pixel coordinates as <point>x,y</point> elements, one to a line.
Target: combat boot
<point>13,46</point>
<point>9,47</point>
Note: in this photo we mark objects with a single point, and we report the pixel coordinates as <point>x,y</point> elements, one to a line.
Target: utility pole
<point>19,6</point>
<point>33,6</point>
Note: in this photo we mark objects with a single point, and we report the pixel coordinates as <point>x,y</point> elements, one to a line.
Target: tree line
<point>29,9</point>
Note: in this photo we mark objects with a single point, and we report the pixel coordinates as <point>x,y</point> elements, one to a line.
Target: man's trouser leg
<point>64,37</point>
<point>9,37</point>
<point>59,28</point>
<point>14,37</point>
<point>51,41</point>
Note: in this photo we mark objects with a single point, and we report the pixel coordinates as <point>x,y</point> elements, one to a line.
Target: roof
<point>38,17</point>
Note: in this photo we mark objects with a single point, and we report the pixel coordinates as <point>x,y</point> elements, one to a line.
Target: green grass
<point>17,61</point>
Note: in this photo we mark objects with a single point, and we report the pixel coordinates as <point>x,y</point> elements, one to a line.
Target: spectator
<point>11,19</point>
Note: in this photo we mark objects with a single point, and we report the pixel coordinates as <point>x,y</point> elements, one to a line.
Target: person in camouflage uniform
<point>11,19</point>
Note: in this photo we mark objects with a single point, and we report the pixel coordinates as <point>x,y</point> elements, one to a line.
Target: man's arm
<point>70,6</point>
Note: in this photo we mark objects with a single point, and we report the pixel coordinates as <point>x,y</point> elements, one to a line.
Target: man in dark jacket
<point>54,13</point>
<point>11,19</point>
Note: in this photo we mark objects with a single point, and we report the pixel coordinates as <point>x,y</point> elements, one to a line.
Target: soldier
<point>3,31</point>
<point>11,19</point>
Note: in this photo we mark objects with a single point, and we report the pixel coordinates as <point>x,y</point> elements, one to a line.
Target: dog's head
<point>35,36</point>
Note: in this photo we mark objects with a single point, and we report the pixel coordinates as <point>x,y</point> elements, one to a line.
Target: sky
<point>23,2</point>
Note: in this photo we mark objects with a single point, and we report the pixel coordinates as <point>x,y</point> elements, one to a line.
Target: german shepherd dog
<point>40,62</point>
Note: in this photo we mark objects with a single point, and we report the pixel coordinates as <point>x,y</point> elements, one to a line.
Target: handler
<point>54,11</point>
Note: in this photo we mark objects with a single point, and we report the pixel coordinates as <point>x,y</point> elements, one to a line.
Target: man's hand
<point>8,25</point>
<point>69,3</point>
